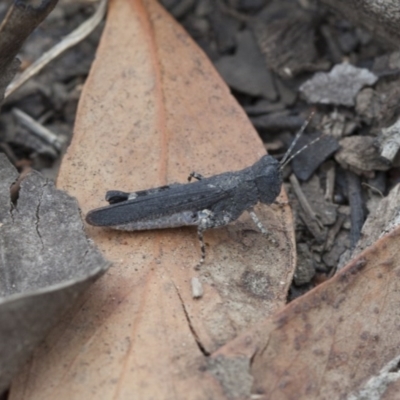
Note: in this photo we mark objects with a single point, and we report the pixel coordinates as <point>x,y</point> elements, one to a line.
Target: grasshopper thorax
<point>268,179</point>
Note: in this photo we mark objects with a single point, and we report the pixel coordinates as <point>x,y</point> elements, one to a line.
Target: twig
<point>39,130</point>
<point>330,183</point>
<point>70,40</point>
<point>356,207</point>
<point>330,240</point>
<point>300,195</point>
<point>391,141</point>
<point>305,205</point>
<point>373,189</point>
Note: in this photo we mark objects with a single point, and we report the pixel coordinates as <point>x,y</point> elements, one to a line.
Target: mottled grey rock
<point>340,86</point>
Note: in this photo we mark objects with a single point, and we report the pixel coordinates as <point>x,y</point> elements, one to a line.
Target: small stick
<point>356,207</point>
<point>333,232</point>
<point>76,36</point>
<point>373,189</point>
<point>305,205</point>
<point>330,183</point>
<point>391,141</point>
<point>39,130</point>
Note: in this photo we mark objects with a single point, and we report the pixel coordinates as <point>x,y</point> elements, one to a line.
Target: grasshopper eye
<point>269,184</point>
<point>268,179</point>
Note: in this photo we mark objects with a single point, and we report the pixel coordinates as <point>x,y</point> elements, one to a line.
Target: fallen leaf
<point>308,161</point>
<point>246,71</point>
<point>361,155</point>
<point>153,110</point>
<point>331,342</point>
<point>384,219</point>
<point>381,20</point>
<point>286,36</point>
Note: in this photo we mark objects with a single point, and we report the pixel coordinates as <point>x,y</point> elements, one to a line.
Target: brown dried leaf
<point>329,343</point>
<point>379,18</point>
<point>153,110</point>
<point>382,220</point>
<point>286,36</point>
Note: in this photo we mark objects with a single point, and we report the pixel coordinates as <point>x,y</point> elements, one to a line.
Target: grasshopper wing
<point>158,205</point>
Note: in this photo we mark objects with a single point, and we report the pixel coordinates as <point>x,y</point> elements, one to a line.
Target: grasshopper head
<point>268,179</point>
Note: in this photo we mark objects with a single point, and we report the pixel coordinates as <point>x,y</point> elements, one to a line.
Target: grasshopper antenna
<point>283,165</point>
<point>287,157</point>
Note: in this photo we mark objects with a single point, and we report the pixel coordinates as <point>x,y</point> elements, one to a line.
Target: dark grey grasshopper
<point>207,203</point>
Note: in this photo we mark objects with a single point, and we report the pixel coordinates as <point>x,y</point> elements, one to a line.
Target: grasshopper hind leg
<point>206,220</point>
<point>260,226</point>
<point>202,248</point>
